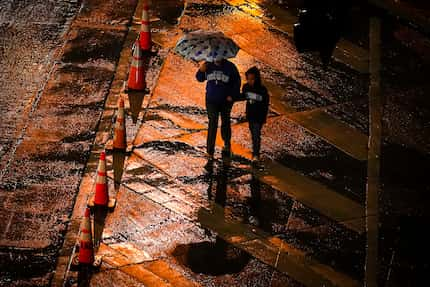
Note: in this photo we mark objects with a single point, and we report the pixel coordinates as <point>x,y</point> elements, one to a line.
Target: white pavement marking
<point>8,225</point>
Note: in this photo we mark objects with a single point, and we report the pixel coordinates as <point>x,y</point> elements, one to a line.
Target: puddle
<point>183,109</point>
<point>86,136</point>
<point>200,9</point>
<point>212,258</point>
<point>107,12</point>
<point>147,175</point>
<point>91,44</point>
<point>24,263</point>
<point>169,148</point>
<point>78,156</point>
<point>71,109</point>
<point>168,10</point>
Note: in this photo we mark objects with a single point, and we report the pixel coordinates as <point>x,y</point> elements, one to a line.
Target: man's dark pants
<point>214,111</point>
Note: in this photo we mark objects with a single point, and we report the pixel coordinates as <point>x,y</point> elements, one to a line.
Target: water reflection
<point>255,202</point>
<point>265,208</point>
<point>221,182</point>
<point>218,257</point>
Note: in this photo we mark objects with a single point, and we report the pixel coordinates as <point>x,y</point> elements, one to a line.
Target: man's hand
<point>203,67</point>
<point>229,99</point>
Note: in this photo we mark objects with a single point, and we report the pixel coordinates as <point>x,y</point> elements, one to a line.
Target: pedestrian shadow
<point>84,275</point>
<point>208,176</point>
<point>218,257</point>
<point>221,179</point>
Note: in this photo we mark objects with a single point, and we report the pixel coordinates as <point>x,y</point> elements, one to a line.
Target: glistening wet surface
<point>245,199</point>
<point>54,108</point>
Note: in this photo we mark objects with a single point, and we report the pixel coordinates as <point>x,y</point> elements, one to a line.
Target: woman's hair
<point>256,72</point>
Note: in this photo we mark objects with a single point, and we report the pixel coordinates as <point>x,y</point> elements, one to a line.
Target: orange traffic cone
<point>136,77</point>
<point>119,137</point>
<point>145,32</point>
<point>86,251</point>
<point>101,197</point>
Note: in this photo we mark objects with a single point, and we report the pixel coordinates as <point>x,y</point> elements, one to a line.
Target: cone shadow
<point>135,99</point>
<point>100,213</point>
<point>84,275</point>
<point>118,167</point>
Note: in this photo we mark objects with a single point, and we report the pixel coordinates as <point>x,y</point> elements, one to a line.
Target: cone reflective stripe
<point>102,196</point>
<point>145,33</point>
<point>119,138</point>
<point>136,77</point>
<point>86,251</point>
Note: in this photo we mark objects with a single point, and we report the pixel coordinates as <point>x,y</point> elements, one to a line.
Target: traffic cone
<point>119,137</point>
<point>136,77</point>
<point>101,197</point>
<point>145,32</point>
<point>86,251</point>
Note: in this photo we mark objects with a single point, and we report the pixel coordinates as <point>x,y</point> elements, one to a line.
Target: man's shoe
<point>226,151</point>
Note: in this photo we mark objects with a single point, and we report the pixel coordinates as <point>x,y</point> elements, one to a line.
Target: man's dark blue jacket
<point>222,81</point>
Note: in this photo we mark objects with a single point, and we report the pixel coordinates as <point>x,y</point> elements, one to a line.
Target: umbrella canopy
<point>206,46</point>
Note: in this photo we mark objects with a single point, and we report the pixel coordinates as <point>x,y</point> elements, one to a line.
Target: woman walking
<point>257,107</point>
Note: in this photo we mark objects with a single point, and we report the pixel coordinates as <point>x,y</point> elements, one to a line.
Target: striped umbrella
<point>206,46</point>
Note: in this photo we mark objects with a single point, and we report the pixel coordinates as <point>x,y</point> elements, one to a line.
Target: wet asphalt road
<point>31,32</point>
<point>54,83</point>
<point>41,159</point>
<point>31,35</point>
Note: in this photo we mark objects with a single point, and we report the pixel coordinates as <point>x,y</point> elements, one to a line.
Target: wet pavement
<point>56,81</point>
<point>297,219</point>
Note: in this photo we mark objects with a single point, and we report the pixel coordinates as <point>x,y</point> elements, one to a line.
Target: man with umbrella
<point>221,76</point>
<point>223,85</point>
